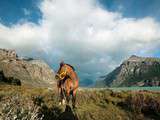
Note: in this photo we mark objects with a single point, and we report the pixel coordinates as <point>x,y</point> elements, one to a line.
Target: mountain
<point>135,71</point>
<point>27,71</point>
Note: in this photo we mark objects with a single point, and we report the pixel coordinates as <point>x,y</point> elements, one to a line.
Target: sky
<point>94,36</point>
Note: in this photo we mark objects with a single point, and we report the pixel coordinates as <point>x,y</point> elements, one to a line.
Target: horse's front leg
<point>59,96</point>
<point>67,90</point>
<point>68,95</point>
<point>63,96</point>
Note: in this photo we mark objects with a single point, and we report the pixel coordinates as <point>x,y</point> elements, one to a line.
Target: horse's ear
<point>61,63</point>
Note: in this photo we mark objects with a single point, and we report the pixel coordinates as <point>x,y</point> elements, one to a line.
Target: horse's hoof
<point>63,102</point>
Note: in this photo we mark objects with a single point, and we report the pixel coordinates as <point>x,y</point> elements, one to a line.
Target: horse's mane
<point>71,67</point>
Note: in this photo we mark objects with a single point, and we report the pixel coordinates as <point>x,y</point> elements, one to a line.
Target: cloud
<point>84,34</point>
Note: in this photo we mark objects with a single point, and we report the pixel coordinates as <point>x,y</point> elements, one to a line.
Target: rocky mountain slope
<point>135,71</point>
<point>15,70</point>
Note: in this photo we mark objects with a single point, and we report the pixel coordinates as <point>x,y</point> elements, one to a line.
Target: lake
<point>123,88</point>
<point>135,88</point>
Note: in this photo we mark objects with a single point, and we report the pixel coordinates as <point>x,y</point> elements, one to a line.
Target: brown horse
<point>67,84</point>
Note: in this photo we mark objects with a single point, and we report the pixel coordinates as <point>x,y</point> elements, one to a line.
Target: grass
<point>28,103</point>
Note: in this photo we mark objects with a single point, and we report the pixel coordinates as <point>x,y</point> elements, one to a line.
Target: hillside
<point>135,71</point>
<point>20,71</point>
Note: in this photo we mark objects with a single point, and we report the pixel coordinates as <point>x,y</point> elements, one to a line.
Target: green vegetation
<point>23,102</point>
<point>150,59</point>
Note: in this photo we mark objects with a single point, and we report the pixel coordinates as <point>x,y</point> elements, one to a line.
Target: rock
<point>135,71</point>
<point>9,80</point>
<point>28,71</point>
<point>7,54</point>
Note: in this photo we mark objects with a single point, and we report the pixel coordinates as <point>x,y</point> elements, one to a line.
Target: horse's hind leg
<point>74,98</point>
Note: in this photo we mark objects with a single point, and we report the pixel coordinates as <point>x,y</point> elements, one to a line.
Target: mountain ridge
<point>135,71</point>
<point>16,70</point>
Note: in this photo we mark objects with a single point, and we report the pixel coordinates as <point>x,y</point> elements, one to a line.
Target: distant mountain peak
<point>134,58</point>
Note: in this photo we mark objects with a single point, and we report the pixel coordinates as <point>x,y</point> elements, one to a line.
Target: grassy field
<point>26,103</point>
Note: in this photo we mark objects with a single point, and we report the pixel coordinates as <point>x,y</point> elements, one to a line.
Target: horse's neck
<point>70,72</point>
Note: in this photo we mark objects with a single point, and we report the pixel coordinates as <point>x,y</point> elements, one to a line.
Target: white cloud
<point>83,33</point>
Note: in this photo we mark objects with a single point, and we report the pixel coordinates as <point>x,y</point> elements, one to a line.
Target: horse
<point>67,83</point>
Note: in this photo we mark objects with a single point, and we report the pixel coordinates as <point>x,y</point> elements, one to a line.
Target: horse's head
<point>62,72</point>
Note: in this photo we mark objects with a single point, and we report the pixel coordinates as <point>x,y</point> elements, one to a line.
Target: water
<point>123,88</point>
<point>135,88</point>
